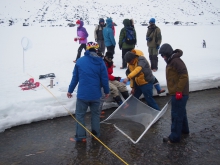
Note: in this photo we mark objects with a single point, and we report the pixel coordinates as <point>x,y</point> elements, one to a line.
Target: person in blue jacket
<point>90,74</point>
<point>108,35</point>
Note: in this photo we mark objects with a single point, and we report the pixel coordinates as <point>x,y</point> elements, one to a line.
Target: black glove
<point>96,40</point>
<point>120,46</point>
<point>118,78</point>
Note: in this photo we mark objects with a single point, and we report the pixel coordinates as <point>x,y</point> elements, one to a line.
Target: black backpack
<point>130,38</point>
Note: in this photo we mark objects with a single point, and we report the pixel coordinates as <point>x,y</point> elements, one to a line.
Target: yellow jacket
<point>140,71</point>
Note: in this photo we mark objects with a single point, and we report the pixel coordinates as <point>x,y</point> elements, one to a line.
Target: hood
<point>109,22</point>
<point>126,22</point>
<point>93,57</point>
<point>81,24</point>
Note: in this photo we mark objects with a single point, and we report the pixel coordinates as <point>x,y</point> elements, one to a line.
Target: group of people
<point>93,75</point>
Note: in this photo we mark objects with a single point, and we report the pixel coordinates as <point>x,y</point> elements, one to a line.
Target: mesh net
<point>133,118</point>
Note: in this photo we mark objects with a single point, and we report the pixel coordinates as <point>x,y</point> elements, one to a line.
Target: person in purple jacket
<point>82,37</point>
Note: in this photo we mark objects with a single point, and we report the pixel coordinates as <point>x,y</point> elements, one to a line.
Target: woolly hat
<point>92,45</point>
<point>166,50</point>
<point>129,56</point>
<point>109,55</point>
<point>152,20</point>
<point>78,22</point>
<point>101,20</point>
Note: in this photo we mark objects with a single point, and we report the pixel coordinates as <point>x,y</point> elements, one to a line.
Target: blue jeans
<point>147,91</point>
<point>179,118</point>
<point>81,108</point>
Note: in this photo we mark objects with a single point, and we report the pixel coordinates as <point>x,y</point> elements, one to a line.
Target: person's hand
<point>125,80</point>
<point>179,95</point>
<point>96,40</point>
<point>106,96</point>
<point>118,78</point>
<point>75,39</point>
<point>148,38</point>
<point>120,46</point>
<point>132,91</point>
<point>69,95</point>
<point>158,47</point>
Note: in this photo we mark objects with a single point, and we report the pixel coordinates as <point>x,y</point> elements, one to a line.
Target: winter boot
<point>118,100</point>
<point>125,94</point>
<point>159,90</point>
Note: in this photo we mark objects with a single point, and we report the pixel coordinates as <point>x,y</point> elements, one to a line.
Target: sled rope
<point>83,125</point>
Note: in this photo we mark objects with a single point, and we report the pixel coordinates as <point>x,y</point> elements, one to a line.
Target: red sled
<point>32,86</point>
<point>27,83</point>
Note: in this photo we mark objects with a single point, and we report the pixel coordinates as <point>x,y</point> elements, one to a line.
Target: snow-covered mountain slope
<point>63,12</point>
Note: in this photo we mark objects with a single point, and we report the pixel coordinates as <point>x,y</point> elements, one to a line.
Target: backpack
<point>130,38</point>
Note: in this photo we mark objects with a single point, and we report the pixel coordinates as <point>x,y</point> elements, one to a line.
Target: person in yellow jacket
<point>140,76</point>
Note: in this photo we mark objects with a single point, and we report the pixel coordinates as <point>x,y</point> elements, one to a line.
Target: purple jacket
<point>82,33</point>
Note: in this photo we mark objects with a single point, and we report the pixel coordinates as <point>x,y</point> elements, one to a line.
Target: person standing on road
<point>140,76</point>
<point>154,39</point>
<point>90,74</point>
<point>98,34</point>
<point>178,87</point>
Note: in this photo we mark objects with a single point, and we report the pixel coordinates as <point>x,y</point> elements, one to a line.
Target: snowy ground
<point>52,50</point>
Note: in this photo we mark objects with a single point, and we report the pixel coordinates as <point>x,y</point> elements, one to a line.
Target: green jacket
<point>155,35</point>
<point>122,35</point>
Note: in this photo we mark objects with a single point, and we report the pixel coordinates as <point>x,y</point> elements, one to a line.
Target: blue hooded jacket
<point>91,74</point>
<point>108,33</point>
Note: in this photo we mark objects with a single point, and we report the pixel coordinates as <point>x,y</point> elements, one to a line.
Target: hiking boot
<point>161,91</point>
<point>167,140</point>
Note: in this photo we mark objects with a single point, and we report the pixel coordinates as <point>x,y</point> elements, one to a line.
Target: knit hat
<point>92,45</point>
<point>78,22</point>
<point>109,55</point>
<point>129,56</point>
<point>152,20</point>
<point>166,50</point>
<point>101,20</point>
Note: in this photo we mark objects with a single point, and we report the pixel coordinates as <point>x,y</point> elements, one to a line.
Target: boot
<point>159,90</point>
<point>118,100</point>
<point>125,94</point>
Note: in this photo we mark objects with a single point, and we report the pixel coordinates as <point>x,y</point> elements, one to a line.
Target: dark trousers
<point>179,118</point>
<point>153,61</point>
<point>111,49</point>
<point>81,47</point>
<point>124,51</point>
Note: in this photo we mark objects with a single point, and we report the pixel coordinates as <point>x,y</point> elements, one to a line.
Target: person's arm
<point>74,82</point>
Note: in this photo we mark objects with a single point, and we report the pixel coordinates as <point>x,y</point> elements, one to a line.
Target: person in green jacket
<point>122,44</point>
<point>154,39</point>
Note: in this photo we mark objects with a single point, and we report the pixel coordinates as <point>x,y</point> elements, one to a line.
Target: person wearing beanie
<point>125,47</point>
<point>154,39</point>
<point>178,87</point>
<point>140,76</point>
<point>98,35</point>
<point>108,35</point>
<point>116,87</point>
<point>81,37</point>
<point>89,74</point>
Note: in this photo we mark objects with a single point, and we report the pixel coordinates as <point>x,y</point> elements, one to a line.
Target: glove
<point>75,39</point>
<point>120,46</point>
<point>179,95</point>
<point>118,78</point>
<point>96,40</point>
<point>148,38</point>
<point>158,47</point>
<point>81,38</point>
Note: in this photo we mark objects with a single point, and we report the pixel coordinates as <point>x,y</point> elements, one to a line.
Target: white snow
<point>52,50</point>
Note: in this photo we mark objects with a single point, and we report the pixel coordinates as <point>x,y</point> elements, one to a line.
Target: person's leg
<point>115,93</point>
<point>157,86</point>
<point>95,118</point>
<point>81,108</point>
<point>185,127</point>
<point>111,49</point>
<point>178,112</point>
<point>81,47</point>
<point>122,88</point>
<point>147,90</point>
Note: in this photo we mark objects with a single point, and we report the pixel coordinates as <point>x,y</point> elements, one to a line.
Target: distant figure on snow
<point>204,44</point>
